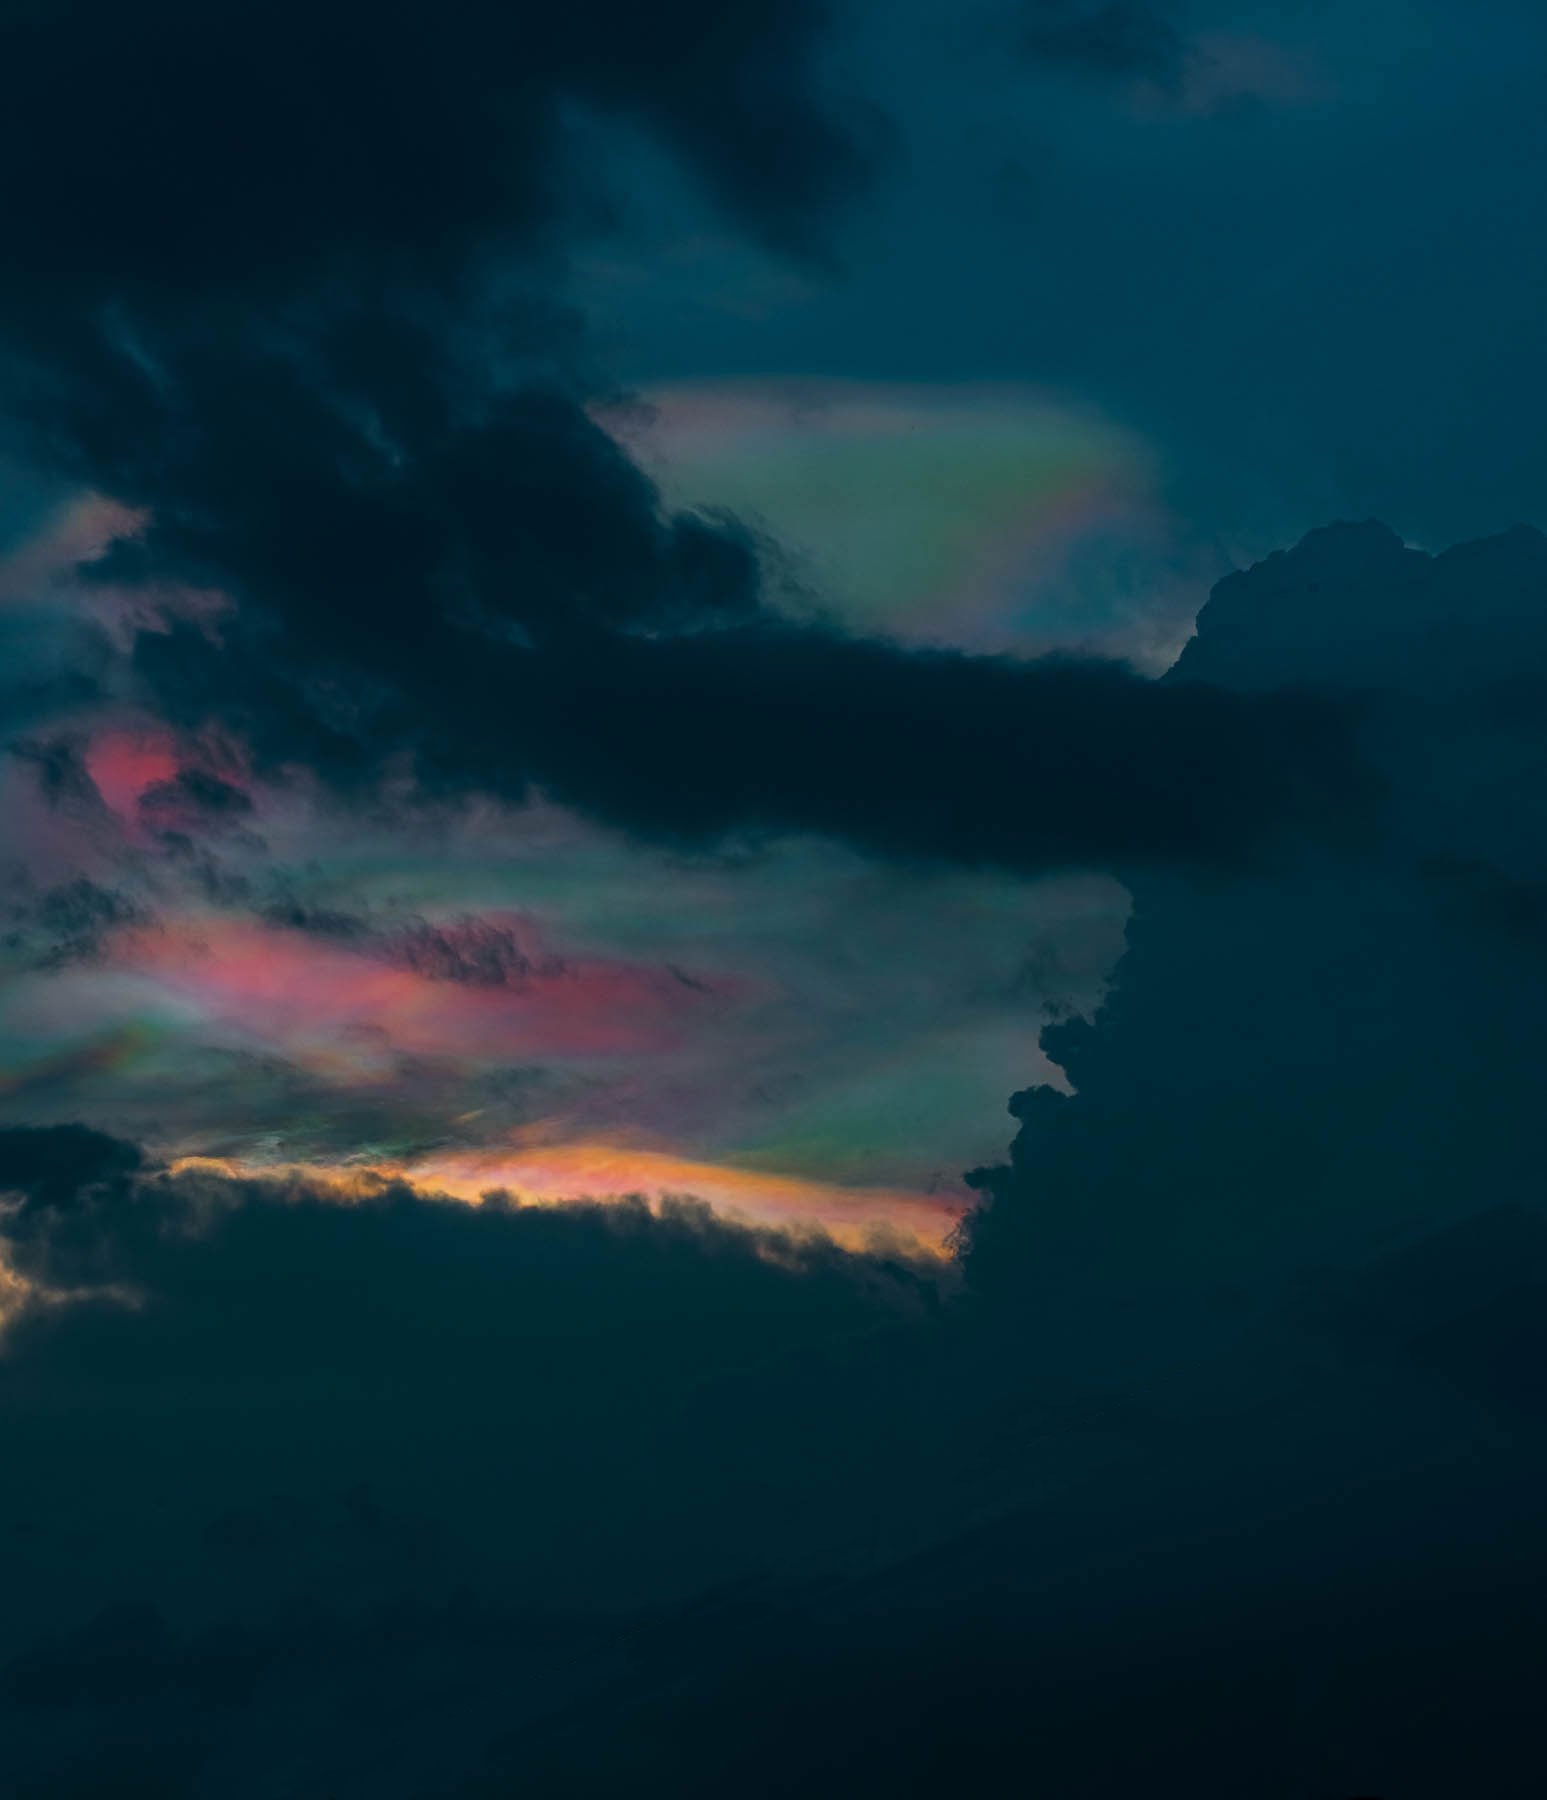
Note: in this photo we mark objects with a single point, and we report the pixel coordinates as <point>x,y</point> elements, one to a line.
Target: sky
<point>772,898</point>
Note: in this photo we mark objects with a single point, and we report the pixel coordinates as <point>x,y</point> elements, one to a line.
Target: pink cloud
<point>299,994</point>
<point>124,763</point>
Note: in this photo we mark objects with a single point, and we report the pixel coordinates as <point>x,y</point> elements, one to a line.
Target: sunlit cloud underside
<point>857,1218</point>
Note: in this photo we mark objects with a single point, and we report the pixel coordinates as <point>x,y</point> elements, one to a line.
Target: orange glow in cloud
<point>603,1171</point>
<point>853,1217</point>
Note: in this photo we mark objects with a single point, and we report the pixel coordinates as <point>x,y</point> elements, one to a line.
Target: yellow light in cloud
<point>855,1217</point>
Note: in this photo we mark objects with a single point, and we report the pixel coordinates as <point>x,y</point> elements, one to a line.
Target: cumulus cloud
<point>1334,1057</point>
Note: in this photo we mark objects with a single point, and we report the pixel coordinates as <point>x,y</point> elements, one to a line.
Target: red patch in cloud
<point>124,763</point>
<point>297,993</point>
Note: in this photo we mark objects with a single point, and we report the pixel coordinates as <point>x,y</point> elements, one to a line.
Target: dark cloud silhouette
<point>364,1409</point>
<point>195,329</point>
<point>322,355</point>
<point>52,1168</point>
<point>1352,607</point>
<point>774,728</point>
<point>326,135</point>
<point>147,1226</point>
<point>942,755</point>
<point>1334,1058</point>
<point>496,597</point>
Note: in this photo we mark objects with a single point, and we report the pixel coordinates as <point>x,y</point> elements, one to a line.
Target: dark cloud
<point>388,1399</point>
<point>1112,38</point>
<point>347,152</point>
<point>193,800</point>
<point>940,755</point>
<point>773,728</point>
<point>448,1500</point>
<point>316,921</point>
<point>753,1694</point>
<point>151,1228</point>
<point>502,603</point>
<point>236,149</point>
<point>63,779</point>
<point>52,1168</point>
<point>69,923</point>
<point>378,519</point>
<point>1339,1054</point>
<point>473,951</point>
<point>1477,895</point>
<point>1352,607</point>
<point>383,483</point>
<point>1468,1301</point>
<point>436,560</point>
<point>499,600</point>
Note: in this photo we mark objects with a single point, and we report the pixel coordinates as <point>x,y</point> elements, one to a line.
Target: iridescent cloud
<point>305,996</point>
<point>993,518</point>
<point>520,999</point>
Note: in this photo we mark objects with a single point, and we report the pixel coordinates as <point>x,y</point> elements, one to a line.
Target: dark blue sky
<point>1302,250</point>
